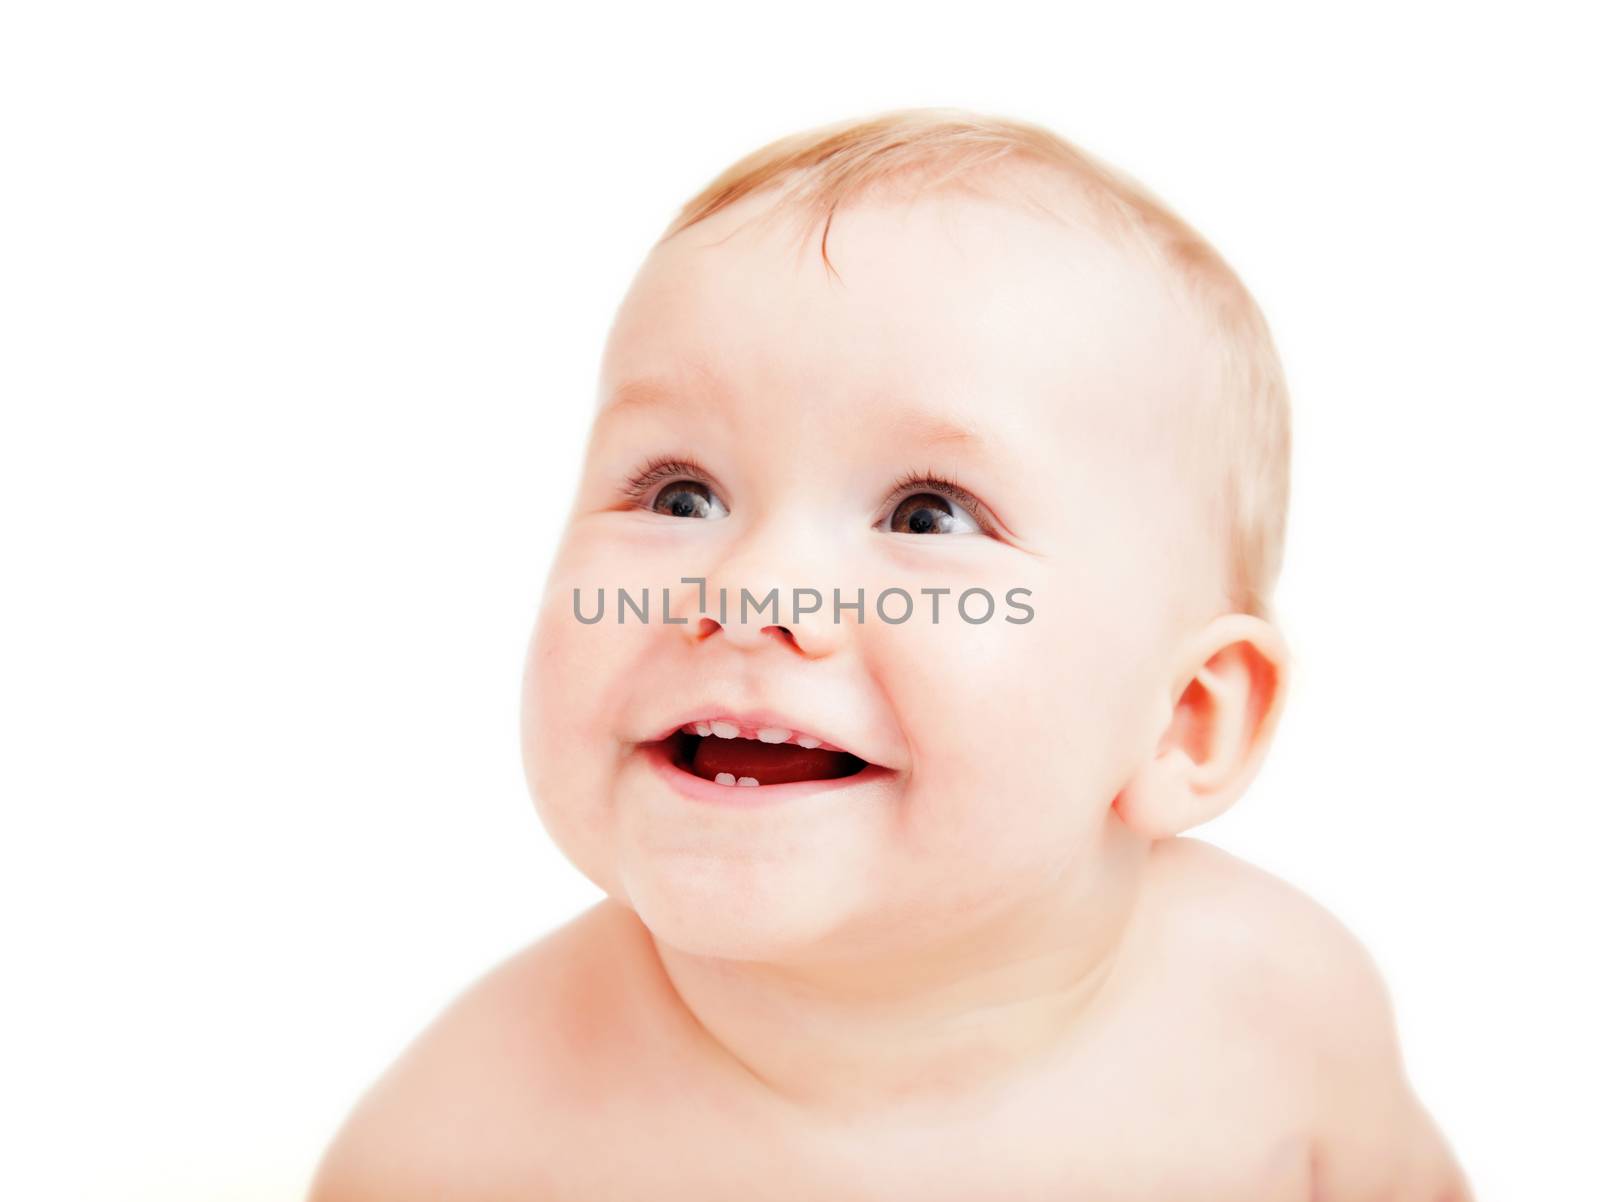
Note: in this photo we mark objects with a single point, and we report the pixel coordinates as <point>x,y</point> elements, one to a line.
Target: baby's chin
<point>802,920</point>
<point>745,885</point>
<point>698,917</point>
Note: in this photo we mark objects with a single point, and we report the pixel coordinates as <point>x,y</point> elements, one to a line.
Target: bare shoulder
<point>1295,976</point>
<point>482,1103</point>
<point>1261,933</point>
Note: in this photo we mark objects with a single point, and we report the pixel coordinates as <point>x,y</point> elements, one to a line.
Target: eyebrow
<point>911,427</point>
<point>633,395</point>
<point>651,392</point>
<point>688,378</point>
<point>932,429</point>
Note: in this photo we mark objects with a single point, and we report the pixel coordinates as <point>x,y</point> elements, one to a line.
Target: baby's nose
<point>774,587</point>
<point>750,618</point>
<point>747,635</point>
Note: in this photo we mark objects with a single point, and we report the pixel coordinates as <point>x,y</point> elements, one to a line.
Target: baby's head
<point>953,369</point>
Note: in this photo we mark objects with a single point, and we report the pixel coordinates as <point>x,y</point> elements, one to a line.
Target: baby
<point>915,600</point>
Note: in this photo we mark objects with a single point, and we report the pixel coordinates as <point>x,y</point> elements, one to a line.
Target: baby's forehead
<point>947,236</point>
<point>984,309</point>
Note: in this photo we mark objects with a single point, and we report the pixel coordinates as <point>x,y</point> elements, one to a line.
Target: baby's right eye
<point>678,488</point>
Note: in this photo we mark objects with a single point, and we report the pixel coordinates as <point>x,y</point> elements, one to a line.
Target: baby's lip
<point>765,725</point>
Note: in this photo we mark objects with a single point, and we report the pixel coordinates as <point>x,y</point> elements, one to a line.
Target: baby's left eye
<point>689,499</point>
<point>930,513</point>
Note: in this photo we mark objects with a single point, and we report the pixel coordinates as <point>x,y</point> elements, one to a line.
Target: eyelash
<point>912,483</point>
<point>664,468</point>
<point>661,469</point>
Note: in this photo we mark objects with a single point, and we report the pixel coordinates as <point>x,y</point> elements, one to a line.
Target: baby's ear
<point>1227,694</point>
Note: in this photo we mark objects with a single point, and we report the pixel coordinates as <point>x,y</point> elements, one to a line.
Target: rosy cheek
<point>581,683</point>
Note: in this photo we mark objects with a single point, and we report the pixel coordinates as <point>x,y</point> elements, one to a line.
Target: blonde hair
<point>1239,447</point>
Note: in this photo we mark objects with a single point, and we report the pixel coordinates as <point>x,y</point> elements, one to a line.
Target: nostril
<point>704,628</point>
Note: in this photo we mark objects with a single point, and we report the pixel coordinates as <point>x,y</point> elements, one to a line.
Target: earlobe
<point>1228,692</point>
<point>1148,805</point>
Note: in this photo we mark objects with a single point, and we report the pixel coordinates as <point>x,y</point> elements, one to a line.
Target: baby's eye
<point>926,513</point>
<point>675,486</point>
<point>930,504</point>
<point>688,499</point>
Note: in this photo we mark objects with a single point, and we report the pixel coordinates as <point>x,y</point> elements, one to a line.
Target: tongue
<point>771,763</point>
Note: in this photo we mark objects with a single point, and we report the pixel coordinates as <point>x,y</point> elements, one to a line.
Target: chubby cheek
<point>1020,738</point>
<point>573,691</point>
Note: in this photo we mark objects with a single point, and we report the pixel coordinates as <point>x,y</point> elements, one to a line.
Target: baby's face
<point>964,340</point>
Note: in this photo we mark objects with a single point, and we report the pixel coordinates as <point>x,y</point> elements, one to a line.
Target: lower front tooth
<point>724,778</point>
<point>748,780</point>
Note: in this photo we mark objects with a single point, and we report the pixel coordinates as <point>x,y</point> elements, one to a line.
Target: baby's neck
<point>937,1032</point>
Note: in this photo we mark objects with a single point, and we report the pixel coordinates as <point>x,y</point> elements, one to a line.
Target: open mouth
<point>727,754</point>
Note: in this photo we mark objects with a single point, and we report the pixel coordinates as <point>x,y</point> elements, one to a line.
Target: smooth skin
<point>1001,971</point>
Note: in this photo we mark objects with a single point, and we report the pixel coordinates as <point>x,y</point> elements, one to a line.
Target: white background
<point>300,310</point>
